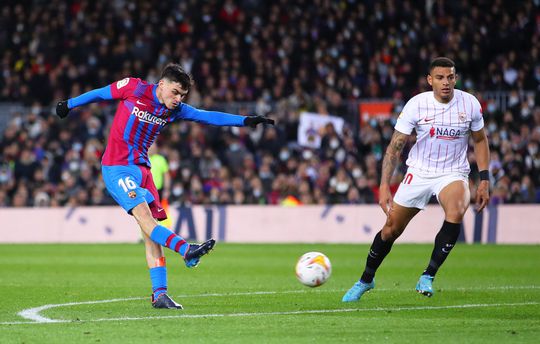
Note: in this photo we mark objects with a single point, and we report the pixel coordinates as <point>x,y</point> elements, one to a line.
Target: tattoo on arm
<point>392,156</point>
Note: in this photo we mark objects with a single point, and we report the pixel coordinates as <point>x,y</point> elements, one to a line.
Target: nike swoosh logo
<point>140,103</point>
<point>428,119</point>
<point>160,210</point>
<point>447,248</point>
<point>372,254</point>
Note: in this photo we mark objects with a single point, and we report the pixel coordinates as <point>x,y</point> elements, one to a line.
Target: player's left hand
<point>482,195</point>
<point>252,121</point>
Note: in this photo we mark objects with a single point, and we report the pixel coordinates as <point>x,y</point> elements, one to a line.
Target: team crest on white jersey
<point>122,83</point>
<point>462,116</point>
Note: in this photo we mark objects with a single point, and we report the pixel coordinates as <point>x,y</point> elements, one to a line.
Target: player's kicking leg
<point>125,184</point>
<point>191,253</point>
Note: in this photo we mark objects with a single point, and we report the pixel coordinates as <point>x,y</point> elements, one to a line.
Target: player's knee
<point>455,215</point>
<point>391,233</point>
<point>144,218</point>
<point>141,211</point>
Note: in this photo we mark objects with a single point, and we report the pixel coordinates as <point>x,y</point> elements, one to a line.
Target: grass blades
<point>249,294</point>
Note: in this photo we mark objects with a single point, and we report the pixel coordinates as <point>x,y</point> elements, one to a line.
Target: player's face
<point>172,93</point>
<point>443,81</point>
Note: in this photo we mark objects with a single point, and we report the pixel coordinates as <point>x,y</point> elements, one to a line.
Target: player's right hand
<point>385,198</point>
<point>252,121</point>
<point>62,109</point>
<point>482,195</point>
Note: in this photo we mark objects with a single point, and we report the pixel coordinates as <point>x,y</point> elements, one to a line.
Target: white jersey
<point>442,131</point>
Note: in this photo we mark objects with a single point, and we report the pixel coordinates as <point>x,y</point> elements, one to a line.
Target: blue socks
<point>158,276</point>
<point>165,237</point>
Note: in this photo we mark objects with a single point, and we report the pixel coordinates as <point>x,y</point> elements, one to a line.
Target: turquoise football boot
<point>425,285</point>
<point>357,290</point>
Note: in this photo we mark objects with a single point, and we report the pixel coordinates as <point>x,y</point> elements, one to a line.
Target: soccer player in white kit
<point>437,165</point>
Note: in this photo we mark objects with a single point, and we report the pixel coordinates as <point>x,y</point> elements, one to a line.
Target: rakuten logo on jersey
<point>147,117</point>
<point>447,133</point>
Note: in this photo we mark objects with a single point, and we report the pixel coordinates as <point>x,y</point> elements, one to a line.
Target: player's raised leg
<point>158,275</point>
<point>397,220</point>
<point>165,237</point>
<point>133,189</point>
<point>455,199</point>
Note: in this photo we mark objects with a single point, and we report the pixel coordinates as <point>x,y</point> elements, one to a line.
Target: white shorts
<point>416,189</point>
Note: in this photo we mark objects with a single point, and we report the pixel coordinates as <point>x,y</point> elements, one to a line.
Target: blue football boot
<point>357,290</point>
<point>425,285</point>
<point>195,252</point>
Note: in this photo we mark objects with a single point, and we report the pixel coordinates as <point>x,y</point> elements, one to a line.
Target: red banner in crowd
<point>377,110</point>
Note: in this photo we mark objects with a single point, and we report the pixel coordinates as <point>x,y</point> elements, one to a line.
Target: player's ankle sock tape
<point>165,237</point>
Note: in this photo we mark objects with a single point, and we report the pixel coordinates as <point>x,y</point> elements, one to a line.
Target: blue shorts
<point>132,185</point>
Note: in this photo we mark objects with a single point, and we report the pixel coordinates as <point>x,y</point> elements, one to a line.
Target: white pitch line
<point>322,311</point>
<point>314,311</point>
<point>33,313</point>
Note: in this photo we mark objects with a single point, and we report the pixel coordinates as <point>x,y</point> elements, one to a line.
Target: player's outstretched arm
<point>481,151</point>
<point>390,161</point>
<point>221,118</point>
<point>64,106</point>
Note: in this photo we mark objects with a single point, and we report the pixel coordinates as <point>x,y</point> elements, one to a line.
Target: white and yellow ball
<point>313,269</point>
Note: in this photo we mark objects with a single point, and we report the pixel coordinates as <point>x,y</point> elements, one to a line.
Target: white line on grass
<point>33,313</point>
<point>313,311</point>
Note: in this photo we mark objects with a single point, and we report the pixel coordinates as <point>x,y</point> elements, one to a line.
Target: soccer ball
<point>313,269</point>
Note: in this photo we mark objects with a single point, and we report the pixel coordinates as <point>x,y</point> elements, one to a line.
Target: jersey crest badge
<point>122,83</point>
<point>462,116</point>
<point>132,194</point>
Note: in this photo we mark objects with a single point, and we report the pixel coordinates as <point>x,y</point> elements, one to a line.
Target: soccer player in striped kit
<point>437,165</point>
<point>143,111</point>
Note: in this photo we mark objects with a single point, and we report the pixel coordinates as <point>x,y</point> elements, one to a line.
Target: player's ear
<point>429,80</point>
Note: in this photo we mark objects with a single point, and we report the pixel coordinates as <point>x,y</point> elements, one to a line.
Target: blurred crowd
<point>282,57</point>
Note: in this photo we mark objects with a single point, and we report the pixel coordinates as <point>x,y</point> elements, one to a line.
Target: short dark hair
<point>176,73</point>
<point>441,62</point>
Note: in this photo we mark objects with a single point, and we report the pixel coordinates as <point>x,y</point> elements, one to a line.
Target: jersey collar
<point>154,88</point>
<point>443,104</point>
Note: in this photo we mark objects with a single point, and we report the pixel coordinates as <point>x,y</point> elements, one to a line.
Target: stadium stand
<point>258,57</point>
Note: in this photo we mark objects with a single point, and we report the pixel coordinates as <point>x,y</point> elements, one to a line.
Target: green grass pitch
<point>249,294</point>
